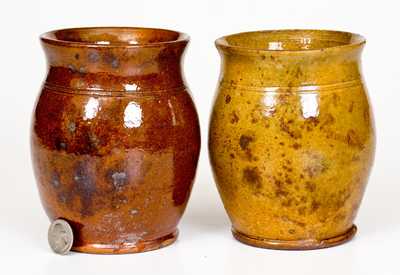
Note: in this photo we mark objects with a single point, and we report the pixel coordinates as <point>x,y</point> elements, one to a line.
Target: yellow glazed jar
<point>291,136</point>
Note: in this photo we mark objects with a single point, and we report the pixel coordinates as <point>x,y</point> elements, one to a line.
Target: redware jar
<point>292,136</point>
<point>115,136</point>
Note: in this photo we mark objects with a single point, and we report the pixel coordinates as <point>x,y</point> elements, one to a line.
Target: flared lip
<point>51,37</point>
<point>356,41</point>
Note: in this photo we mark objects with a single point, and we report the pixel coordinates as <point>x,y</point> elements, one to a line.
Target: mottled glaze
<point>115,136</point>
<point>291,136</point>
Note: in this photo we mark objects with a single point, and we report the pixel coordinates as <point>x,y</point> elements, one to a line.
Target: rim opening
<point>290,40</point>
<point>113,37</point>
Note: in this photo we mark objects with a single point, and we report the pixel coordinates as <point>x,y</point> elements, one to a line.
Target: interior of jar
<point>114,36</point>
<point>290,40</point>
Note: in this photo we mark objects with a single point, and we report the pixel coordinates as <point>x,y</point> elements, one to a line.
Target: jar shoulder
<point>338,115</point>
<point>298,103</point>
<point>159,119</point>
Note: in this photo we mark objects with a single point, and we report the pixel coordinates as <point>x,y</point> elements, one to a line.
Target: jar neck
<point>150,68</point>
<point>263,69</point>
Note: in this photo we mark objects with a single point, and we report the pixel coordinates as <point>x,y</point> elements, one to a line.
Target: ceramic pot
<point>291,136</point>
<point>115,136</point>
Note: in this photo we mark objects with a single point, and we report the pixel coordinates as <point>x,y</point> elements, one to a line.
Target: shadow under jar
<point>291,137</point>
<point>115,136</point>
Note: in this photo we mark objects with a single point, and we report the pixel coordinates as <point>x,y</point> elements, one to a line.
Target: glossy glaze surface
<point>291,136</point>
<point>115,136</point>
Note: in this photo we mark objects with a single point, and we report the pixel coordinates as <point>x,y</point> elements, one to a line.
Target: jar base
<point>295,245</point>
<point>125,248</point>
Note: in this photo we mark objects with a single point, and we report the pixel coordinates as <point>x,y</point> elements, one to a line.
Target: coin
<point>60,236</point>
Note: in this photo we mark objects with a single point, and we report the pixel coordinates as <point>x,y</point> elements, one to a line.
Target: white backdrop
<point>205,244</point>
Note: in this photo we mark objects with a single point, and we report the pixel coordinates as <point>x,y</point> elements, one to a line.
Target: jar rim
<point>330,40</point>
<point>113,37</point>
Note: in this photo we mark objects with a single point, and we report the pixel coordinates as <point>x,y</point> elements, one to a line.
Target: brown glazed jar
<point>291,136</point>
<point>115,136</point>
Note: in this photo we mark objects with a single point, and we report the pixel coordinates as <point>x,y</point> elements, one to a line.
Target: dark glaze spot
<point>84,186</point>
<point>311,123</point>
<point>292,231</point>
<point>281,143</point>
<point>77,56</point>
<point>62,197</point>
<point>55,180</point>
<point>302,211</point>
<point>112,60</point>
<point>228,99</point>
<point>115,63</point>
<point>235,118</point>
<point>351,107</point>
<point>245,141</point>
<point>82,178</point>
<point>296,146</point>
<point>288,181</point>
<point>287,203</point>
<point>298,73</point>
<point>254,120</point>
<point>335,99</point>
<point>287,168</point>
<point>263,57</point>
<point>315,206</point>
<point>329,120</point>
<point>280,192</point>
<point>310,186</point>
<point>94,57</point>
<point>87,142</point>
<point>60,145</point>
<point>353,140</point>
<point>285,128</point>
<point>366,115</point>
<point>232,156</point>
<point>252,176</point>
<point>118,179</point>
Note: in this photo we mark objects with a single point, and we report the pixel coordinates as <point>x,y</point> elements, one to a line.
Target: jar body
<point>117,164</point>
<point>291,162</point>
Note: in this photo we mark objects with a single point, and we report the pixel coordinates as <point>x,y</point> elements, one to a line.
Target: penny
<point>60,236</point>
